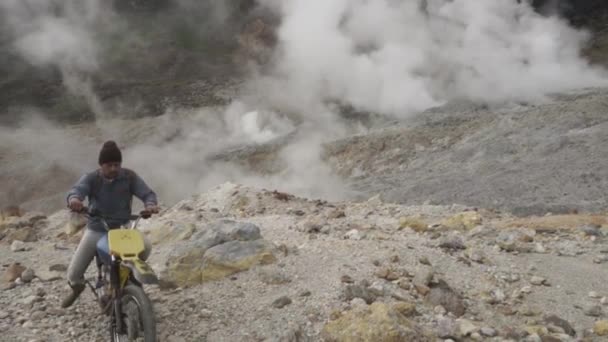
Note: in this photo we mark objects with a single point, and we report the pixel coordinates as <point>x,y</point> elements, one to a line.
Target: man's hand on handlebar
<point>75,204</point>
<point>150,209</point>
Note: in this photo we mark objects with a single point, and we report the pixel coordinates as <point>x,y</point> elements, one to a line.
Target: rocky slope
<point>245,264</point>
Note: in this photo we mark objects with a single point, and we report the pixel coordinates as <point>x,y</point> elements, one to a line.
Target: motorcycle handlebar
<point>145,214</point>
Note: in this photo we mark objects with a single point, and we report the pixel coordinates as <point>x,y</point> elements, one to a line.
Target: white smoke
<point>401,57</point>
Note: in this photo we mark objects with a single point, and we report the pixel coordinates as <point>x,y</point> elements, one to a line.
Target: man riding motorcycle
<point>110,191</point>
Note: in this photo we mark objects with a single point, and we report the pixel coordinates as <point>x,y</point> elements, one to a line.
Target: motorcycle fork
<point>117,293</point>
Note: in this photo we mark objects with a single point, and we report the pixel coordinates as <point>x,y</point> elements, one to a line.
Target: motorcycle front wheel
<point>137,317</point>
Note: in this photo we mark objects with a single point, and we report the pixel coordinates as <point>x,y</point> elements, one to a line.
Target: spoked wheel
<point>137,317</point>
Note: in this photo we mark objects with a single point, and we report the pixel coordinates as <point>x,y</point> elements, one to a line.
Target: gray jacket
<point>112,198</point>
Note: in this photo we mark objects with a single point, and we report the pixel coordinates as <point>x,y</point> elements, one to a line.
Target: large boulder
<point>378,322</point>
<point>20,226</point>
<point>215,251</point>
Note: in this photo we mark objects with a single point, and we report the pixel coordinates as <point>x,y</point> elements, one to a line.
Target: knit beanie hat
<point>110,153</point>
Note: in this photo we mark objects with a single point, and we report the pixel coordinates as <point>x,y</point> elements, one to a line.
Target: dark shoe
<point>71,298</point>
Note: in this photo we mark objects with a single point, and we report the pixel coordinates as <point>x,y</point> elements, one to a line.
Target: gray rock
<point>304,293</point>
<point>487,331</point>
<point>466,327</point>
<point>4,314</point>
<point>274,277</point>
<point>538,281</point>
<point>443,295</point>
<point>18,246</point>
<point>454,243</point>
<point>29,300</point>
<point>28,275</point>
<point>217,233</point>
<point>593,310</point>
<point>228,230</point>
<point>424,260</point>
<point>447,328</point>
<point>33,217</point>
<point>58,268</point>
<point>293,333</point>
<point>591,230</point>
<point>37,315</point>
<point>358,291</point>
<point>378,289</point>
<point>423,277</point>
<point>354,234</point>
<point>507,241</point>
<point>281,302</point>
<point>562,323</point>
<point>205,313</point>
<point>600,259</point>
<point>568,248</point>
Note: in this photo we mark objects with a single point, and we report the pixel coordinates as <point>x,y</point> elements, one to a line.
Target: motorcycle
<point>121,274</point>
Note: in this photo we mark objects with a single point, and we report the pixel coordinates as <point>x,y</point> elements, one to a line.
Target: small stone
<point>466,327</point>
<point>538,281</point>
<point>37,315</point>
<point>28,324</point>
<point>281,302</point>
<point>476,337</point>
<point>353,234</point>
<point>498,296</point>
<point>404,283</point>
<point>405,308</point>
<point>347,279</point>
<point>476,256</point>
<point>58,268</point>
<point>447,328</point>
<point>358,291</point>
<point>533,338</point>
<point>593,310</point>
<point>601,328</point>
<point>205,313</point>
<point>29,300</point>
<point>561,323</point>
<point>3,314</point>
<point>440,310</point>
<point>424,277</point>
<point>358,303</point>
<point>590,230</point>
<point>528,311</point>
<point>593,294</point>
<point>377,288</point>
<point>40,292</point>
<point>452,244</point>
<point>28,275</point>
<point>336,214</point>
<point>600,259</point>
<point>445,296</point>
<point>526,289</point>
<point>305,293</point>
<point>18,246</point>
<point>604,301</point>
<point>425,261</point>
<point>539,248</point>
<point>487,331</point>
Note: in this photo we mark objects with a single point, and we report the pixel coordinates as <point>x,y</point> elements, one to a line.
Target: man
<point>110,190</point>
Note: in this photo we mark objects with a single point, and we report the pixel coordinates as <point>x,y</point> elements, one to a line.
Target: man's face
<point>110,170</point>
